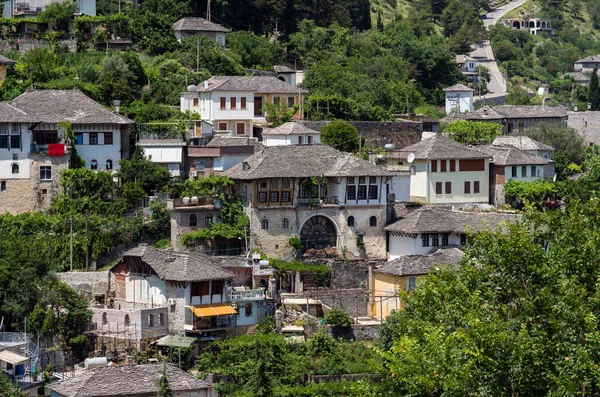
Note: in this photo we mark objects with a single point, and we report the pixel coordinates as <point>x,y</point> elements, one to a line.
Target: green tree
<point>472,132</point>
<point>141,170</point>
<point>61,13</point>
<point>260,381</point>
<point>279,113</point>
<point>163,384</point>
<point>8,388</point>
<point>255,51</point>
<point>379,22</point>
<point>517,96</point>
<point>594,91</point>
<point>341,136</point>
<point>38,65</point>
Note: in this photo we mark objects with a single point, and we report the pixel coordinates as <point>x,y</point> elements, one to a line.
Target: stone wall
<point>355,332</point>
<point>353,301</point>
<point>88,282</point>
<point>28,44</point>
<point>380,133</point>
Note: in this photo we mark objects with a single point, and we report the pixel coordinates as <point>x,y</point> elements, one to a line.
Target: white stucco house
<point>235,104</point>
<point>429,228</point>
<point>459,98</point>
<point>445,171</point>
<point>193,26</point>
<point>290,134</point>
<point>166,152</point>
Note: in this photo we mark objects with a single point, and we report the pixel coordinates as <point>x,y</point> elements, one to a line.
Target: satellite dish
<point>411,157</point>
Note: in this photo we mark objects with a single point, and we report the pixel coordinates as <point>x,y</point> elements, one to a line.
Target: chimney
<point>117,104</point>
<point>206,84</point>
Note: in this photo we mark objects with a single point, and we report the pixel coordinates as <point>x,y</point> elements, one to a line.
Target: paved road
<point>484,55</point>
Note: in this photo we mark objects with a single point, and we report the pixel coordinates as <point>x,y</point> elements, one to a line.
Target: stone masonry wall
<point>88,282</point>
<point>380,133</point>
<point>353,301</point>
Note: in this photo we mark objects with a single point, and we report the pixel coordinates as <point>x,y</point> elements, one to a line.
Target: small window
<point>222,126</point>
<point>223,104</point>
<point>127,321</point>
<point>362,192</point>
<point>15,141</point>
<point>193,220</point>
<point>372,192</point>
<point>445,239</point>
<point>300,140</point>
<point>351,192</point>
<point>264,224</point>
<point>350,221</point>
<point>233,103</point>
<point>109,164</point>
<point>309,139</point>
<point>208,220</point>
<point>463,239</point>
<point>286,197</point>
<point>150,320</point>
<point>514,171</point>
<point>442,165</point>
<point>243,103</point>
<point>262,197</point>
<point>372,180</point>
<point>448,187</point>
<point>373,221</point>
<point>161,319</point>
<point>433,165</point>
<point>452,165</point>
<point>524,171</point>
<point>435,240</point>
<point>108,138</point>
<point>15,168</point>
<point>425,240</point>
<point>412,283</point>
<point>362,180</point>
<point>467,187</point>
<point>79,138</point>
<point>438,188</point>
<point>351,180</point>
<point>15,156</point>
<point>93,138</point>
<point>476,188</point>
<point>94,164</point>
<point>2,186</point>
<point>196,102</point>
<point>248,310</point>
<point>241,128</point>
<point>45,173</point>
<point>274,197</point>
<point>291,101</point>
<point>285,223</point>
<point>533,169</point>
<point>276,100</point>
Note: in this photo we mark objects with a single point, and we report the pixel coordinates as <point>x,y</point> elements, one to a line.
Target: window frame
<point>243,103</point>
<point>79,135</point>
<point>373,221</point>
<point>351,192</point>
<point>411,283</point>
<point>443,166</point>
<point>439,188</point>
<point>263,197</point>
<point>425,240</point>
<point>435,240</point>
<point>476,187</point>
<point>373,192</point>
<point>285,223</point>
<point>467,187</point>
<point>533,171</point>
<point>452,165</point>
<point>291,101</point>
<point>93,138</point>
<point>233,103</point>
<point>362,192</point>
<point>514,171</point>
<point>46,171</point>
<point>208,220</point>
<point>108,138</point>
<point>193,220</point>
<point>434,166</point>
<point>264,224</point>
<point>223,103</point>
<point>286,196</point>
<point>274,196</point>
<point>445,239</point>
<point>300,140</point>
<point>237,128</point>
<point>448,188</point>
<point>109,168</point>
<point>351,221</point>
<point>14,166</point>
<point>196,102</point>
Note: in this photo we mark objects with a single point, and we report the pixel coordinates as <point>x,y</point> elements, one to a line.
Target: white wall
<point>100,152</point>
<point>213,106</point>
<point>465,104</point>
<point>149,290</point>
<point>227,161</point>
<point>404,245</point>
<point>458,179</point>
<point>280,140</point>
<point>527,177</point>
<point>26,136</point>
<point>418,181</point>
<point>400,187</point>
<point>164,154</point>
<point>24,169</point>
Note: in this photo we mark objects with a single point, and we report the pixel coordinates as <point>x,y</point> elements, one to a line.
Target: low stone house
<point>327,198</point>
<point>194,26</point>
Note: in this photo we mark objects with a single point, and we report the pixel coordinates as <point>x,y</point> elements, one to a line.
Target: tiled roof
<point>521,142</point>
<point>6,61</point>
<point>440,147</point>
<point>54,106</point>
<point>222,140</point>
<point>416,265</point>
<point>458,88</point>
<point>509,112</point>
<point>126,381</point>
<point>175,266</point>
<point>257,84</point>
<point>432,219</point>
<point>9,113</point>
<point>591,58</point>
<point>506,155</point>
<point>198,25</point>
<point>301,161</point>
<point>283,69</point>
<point>291,128</point>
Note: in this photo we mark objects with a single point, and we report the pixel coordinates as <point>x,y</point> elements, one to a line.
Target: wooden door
<point>258,106</point>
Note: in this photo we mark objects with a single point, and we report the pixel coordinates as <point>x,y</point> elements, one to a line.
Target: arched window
<point>109,165</point>
<point>193,220</point>
<point>150,320</point>
<point>161,319</point>
<point>281,78</point>
<point>285,223</point>
<point>373,221</point>
<point>264,224</point>
<point>94,164</point>
<point>208,220</point>
<point>104,318</point>
<point>350,221</point>
<point>127,321</point>
<point>248,310</point>
<point>2,186</point>
<point>15,168</point>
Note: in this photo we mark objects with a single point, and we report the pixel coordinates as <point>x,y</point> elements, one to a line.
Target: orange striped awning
<point>213,310</point>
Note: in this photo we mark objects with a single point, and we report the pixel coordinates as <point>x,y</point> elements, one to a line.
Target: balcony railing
<point>247,295</point>
<point>332,200</point>
<point>190,202</point>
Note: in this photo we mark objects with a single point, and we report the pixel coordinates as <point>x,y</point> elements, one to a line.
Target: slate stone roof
<point>6,61</point>
<point>9,113</point>
<point>497,113</point>
<point>291,128</point>
<point>587,124</point>
<point>432,219</point>
<point>176,266</point>
<point>521,142</point>
<point>283,69</point>
<point>256,84</point>
<point>301,161</point>
<point>222,140</point>
<point>416,265</point>
<point>127,380</point>
<point>440,147</point>
<point>54,106</point>
<point>502,155</point>
<point>591,58</point>
<point>458,88</point>
<point>190,24</point>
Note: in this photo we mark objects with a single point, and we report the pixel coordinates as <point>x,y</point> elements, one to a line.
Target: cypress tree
<point>594,91</point>
<point>379,22</point>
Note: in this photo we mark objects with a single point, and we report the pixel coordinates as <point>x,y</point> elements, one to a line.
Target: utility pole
<point>87,245</point>
<point>208,11</point>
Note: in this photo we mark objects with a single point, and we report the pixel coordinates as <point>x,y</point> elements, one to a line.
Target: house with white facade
<point>234,104</point>
<point>169,152</point>
<point>525,144</point>
<point>467,66</point>
<point>34,150</point>
<point>459,99</point>
<point>445,171</point>
<point>329,199</point>
<point>31,8</point>
<point>290,134</point>
<point>194,26</point>
<point>218,152</point>
<point>288,75</point>
<point>429,228</point>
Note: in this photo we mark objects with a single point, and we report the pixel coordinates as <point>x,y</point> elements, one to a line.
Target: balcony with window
<point>247,295</point>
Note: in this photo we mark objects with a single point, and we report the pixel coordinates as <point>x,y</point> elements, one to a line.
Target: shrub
<point>338,318</point>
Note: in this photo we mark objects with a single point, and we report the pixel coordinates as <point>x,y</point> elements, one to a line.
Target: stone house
<point>235,104</point>
<point>290,134</point>
<point>586,124</point>
<point>432,227</point>
<point>525,144</point>
<point>327,198</point>
<point>514,118</point>
<point>129,381</point>
<point>403,274</point>
<point>193,26</point>
<point>445,171</point>
<point>509,163</point>
<point>467,66</point>
<point>587,64</point>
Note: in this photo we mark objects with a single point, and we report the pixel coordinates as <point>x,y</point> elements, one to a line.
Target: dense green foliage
<point>535,192</point>
<point>341,136</point>
<point>338,318</point>
<point>323,272</point>
<point>472,132</point>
